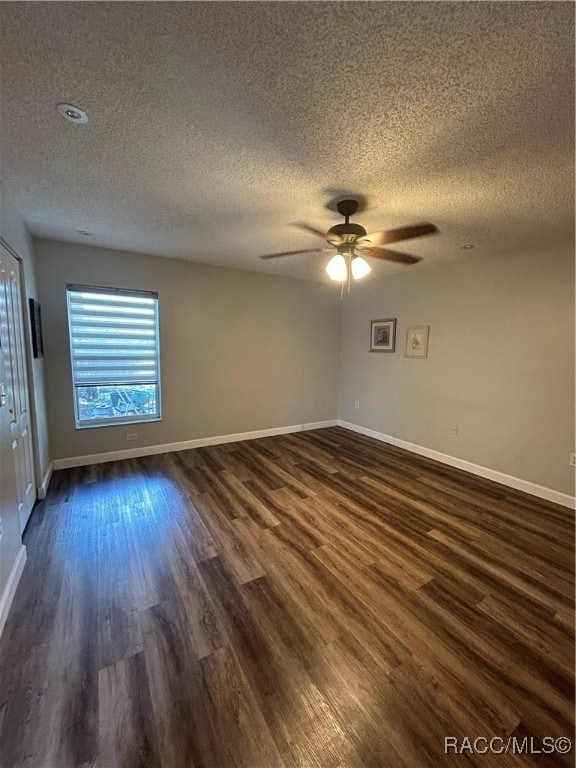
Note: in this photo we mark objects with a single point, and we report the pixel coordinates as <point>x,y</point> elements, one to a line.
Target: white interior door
<point>15,396</point>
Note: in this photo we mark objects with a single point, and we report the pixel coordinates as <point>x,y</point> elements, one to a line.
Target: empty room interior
<point>287,412</point>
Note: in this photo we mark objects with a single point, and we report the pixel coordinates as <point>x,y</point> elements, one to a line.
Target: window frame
<point>115,421</point>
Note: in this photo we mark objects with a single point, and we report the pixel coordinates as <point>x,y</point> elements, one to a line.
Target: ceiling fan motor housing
<point>347,233</point>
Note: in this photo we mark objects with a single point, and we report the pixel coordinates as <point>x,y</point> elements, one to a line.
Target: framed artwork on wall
<point>417,341</point>
<point>383,335</point>
<point>36,324</point>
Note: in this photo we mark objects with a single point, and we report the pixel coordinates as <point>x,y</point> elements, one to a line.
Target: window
<point>114,348</point>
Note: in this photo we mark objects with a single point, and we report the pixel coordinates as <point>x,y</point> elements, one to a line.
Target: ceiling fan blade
<point>295,253</point>
<point>395,235</point>
<point>387,255</point>
<point>308,228</point>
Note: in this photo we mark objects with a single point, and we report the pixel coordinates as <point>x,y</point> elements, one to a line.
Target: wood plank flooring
<point>317,599</point>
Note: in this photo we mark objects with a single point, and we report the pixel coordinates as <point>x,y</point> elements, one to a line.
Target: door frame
<point>29,371</point>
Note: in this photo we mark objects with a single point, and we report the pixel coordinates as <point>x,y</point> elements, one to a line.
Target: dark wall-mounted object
<point>36,323</point>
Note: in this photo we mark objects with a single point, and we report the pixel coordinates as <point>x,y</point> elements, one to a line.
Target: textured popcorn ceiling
<point>215,125</point>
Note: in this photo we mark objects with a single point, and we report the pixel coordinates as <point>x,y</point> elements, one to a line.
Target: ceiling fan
<point>352,243</point>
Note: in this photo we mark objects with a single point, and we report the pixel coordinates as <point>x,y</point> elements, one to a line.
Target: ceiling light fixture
<point>467,247</point>
<point>345,238</point>
<point>72,114</point>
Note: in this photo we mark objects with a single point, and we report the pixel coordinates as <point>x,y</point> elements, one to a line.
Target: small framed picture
<point>36,324</point>
<point>383,335</point>
<point>417,341</point>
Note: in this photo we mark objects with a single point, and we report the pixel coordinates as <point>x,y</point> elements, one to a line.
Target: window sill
<point>118,423</point>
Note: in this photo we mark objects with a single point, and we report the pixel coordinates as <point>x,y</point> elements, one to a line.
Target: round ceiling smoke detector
<point>72,114</point>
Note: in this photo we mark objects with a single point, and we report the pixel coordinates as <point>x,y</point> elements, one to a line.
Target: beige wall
<point>500,363</point>
<point>240,351</point>
<point>244,351</point>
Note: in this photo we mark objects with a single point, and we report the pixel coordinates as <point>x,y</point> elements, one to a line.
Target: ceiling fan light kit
<point>339,266</point>
<point>352,243</point>
<point>360,267</point>
<point>337,269</point>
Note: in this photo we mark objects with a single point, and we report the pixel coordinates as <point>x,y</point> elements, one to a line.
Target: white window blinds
<point>114,345</point>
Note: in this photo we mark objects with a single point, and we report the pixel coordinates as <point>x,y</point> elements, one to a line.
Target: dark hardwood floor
<point>314,599</point>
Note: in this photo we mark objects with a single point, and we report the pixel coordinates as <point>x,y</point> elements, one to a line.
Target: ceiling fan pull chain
<point>349,270</point>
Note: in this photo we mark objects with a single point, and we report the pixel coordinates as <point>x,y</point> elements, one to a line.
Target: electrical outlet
<point>573,459</point>
<point>357,404</point>
<point>132,436</point>
<point>454,429</point>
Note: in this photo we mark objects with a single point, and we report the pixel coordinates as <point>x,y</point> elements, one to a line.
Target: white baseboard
<point>319,425</point>
<point>152,450</point>
<point>365,431</point>
<point>42,489</point>
<point>11,584</point>
<point>467,466</point>
<point>499,477</point>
